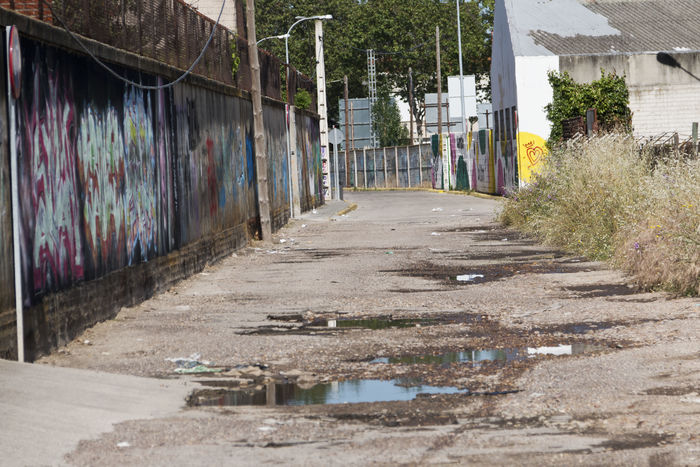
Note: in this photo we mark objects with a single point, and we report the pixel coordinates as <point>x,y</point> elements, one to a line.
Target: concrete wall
<point>662,98</point>
<point>532,126</point>
<point>124,191</point>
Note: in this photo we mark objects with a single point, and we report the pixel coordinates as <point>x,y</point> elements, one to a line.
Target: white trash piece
<point>469,277</point>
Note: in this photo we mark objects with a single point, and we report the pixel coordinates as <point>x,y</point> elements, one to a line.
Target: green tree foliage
<point>386,120</point>
<point>402,33</point>
<point>302,99</point>
<point>608,95</point>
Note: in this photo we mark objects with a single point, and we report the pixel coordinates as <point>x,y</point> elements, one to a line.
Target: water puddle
<point>491,355</point>
<point>374,323</point>
<point>342,392</point>
<point>334,325</point>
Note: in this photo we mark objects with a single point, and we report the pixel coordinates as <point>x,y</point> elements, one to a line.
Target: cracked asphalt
<point>325,300</point>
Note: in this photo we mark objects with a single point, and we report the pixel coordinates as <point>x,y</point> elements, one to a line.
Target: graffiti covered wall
<point>308,155</point>
<point>112,176</point>
<point>277,165</point>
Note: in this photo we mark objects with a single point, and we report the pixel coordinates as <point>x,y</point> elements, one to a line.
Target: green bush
<point>598,198</point>
<point>608,95</point>
<point>302,99</point>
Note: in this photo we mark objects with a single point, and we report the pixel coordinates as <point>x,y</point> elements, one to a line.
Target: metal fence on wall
<point>392,167</point>
<point>169,31</point>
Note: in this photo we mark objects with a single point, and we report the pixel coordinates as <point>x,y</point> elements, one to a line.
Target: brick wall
<point>34,8</point>
<point>58,318</point>
<point>660,109</point>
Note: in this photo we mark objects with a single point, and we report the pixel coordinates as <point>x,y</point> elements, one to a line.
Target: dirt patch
<point>672,391</point>
<point>600,290</point>
<point>636,441</point>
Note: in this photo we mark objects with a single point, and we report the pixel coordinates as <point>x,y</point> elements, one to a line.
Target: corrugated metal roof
<point>643,25</point>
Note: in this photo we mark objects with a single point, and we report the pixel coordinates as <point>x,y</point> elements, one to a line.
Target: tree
<point>386,120</point>
<point>402,33</point>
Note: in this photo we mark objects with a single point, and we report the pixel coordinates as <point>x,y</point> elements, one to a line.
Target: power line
<point>128,81</point>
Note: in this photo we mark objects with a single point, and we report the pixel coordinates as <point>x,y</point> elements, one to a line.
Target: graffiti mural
<point>103,180</point>
<point>51,215</point>
<point>483,151</point>
<point>277,161</point>
<point>309,161</point>
<point>532,150</point>
<point>140,176</point>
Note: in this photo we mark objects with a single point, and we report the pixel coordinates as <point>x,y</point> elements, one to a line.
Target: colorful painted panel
<point>532,150</point>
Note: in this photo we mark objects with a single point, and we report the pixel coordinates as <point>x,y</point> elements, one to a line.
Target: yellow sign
<point>531,153</point>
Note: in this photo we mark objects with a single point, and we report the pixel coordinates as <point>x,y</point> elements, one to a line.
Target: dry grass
<point>660,245</point>
<point>599,198</point>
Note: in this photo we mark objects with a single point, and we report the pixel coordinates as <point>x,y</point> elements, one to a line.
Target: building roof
<point>581,27</point>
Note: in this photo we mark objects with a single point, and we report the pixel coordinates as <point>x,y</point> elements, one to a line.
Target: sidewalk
<point>331,208</point>
<point>45,411</point>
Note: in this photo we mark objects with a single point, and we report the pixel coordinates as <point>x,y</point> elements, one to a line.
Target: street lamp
<point>299,19</point>
<point>281,36</point>
<point>286,59</point>
<point>289,31</point>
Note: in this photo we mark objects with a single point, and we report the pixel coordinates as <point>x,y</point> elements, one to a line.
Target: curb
<point>434,190</point>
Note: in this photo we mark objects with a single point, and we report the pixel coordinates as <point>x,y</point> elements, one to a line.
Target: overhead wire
<point>126,80</point>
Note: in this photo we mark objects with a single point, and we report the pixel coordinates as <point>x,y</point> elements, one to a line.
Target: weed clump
<point>601,198</point>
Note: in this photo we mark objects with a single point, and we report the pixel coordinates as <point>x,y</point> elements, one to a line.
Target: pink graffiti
<point>49,151</point>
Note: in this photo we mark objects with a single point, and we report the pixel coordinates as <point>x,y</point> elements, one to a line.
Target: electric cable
<point>128,81</point>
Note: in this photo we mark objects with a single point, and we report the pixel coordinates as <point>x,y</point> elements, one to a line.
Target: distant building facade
<point>581,37</point>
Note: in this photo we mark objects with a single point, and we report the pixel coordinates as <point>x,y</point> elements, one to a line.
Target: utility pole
<point>322,110</point>
<point>259,129</point>
<point>410,99</point>
<point>461,71</point>
<point>439,81</point>
<point>372,87</point>
<point>347,133</point>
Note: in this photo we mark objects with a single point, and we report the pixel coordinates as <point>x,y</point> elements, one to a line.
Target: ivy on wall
<point>608,95</point>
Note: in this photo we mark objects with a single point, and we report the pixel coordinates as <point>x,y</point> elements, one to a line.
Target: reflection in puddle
<point>352,391</point>
<point>377,323</point>
<point>493,355</point>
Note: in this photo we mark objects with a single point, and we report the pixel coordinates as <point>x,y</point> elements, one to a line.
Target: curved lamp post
<point>286,59</point>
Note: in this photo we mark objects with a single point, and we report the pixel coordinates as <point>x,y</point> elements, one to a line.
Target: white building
<point>533,37</point>
<point>212,8</point>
